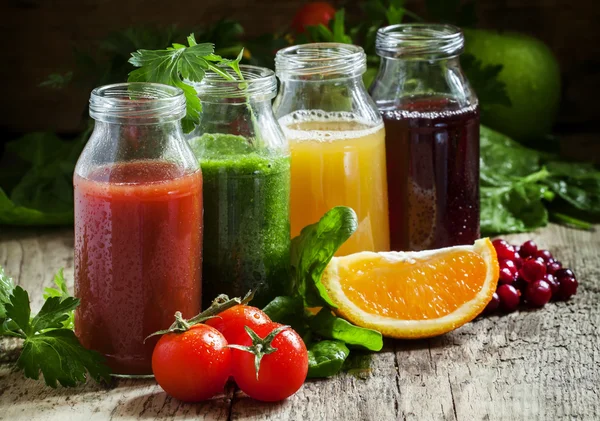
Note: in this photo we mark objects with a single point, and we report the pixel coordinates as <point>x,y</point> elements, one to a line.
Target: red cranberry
<point>551,280</point>
<point>567,288</point>
<point>510,265</point>
<point>564,273</point>
<point>504,250</point>
<point>518,261</point>
<point>533,269</point>
<point>528,248</point>
<point>538,293</point>
<point>553,267</point>
<point>544,254</point>
<point>493,304</point>
<point>518,250</point>
<point>506,276</point>
<point>520,284</point>
<point>509,298</point>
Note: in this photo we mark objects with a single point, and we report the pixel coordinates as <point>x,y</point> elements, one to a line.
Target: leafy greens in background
<point>521,188</point>
<point>49,343</point>
<point>43,195</point>
<point>328,338</point>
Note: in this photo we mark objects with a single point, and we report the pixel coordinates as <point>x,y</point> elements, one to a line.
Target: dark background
<point>39,36</point>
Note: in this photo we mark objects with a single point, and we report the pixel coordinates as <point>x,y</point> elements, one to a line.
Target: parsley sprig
<point>50,345</point>
<point>180,64</point>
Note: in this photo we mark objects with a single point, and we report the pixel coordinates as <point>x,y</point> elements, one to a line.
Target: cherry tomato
<point>281,372</point>
<point>231,322</point>
<point>194,365</point>
<point>312,14</point>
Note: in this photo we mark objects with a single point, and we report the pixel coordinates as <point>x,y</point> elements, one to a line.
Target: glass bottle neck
<point>346,95</point>
<point>400,78</point>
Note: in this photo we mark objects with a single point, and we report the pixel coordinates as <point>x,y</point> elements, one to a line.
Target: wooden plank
<point>542,364</point>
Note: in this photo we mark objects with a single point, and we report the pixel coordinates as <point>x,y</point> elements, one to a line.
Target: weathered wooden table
<point>529,365</point>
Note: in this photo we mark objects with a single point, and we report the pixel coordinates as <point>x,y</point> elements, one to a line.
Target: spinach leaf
<point>503,159</point>
<point>326,358</point>
<point>288,311</point>
<point>329,326</point>
<point>284,309</point>
<point>515,206</point>
<point>578,184</point>
<point>511,186</point>
<point>313,249</point>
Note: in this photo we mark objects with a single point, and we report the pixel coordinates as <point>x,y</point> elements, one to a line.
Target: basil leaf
<point>329,326</point>
<point>326,358</point>
<point>313,249</point>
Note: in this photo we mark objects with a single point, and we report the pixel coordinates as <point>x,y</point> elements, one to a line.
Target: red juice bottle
<point>138,224</point>
<point>431,119</point>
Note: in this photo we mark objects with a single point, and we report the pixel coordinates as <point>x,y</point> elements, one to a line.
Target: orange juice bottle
<point>337,140</point>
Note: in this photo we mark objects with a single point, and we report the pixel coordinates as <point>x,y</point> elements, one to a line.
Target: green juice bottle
<point>246,188</point>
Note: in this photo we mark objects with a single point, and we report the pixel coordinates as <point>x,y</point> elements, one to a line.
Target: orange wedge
<point>413,294</point>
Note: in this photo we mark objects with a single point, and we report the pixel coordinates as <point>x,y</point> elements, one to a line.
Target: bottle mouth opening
<point>325,60</point>
<point>419,40</point>
<point>137,103</point>
<point>259,84</point>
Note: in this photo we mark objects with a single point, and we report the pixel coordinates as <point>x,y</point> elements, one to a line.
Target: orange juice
<point>338,161</point>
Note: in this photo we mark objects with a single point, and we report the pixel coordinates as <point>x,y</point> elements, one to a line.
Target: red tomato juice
<point>138,244</point>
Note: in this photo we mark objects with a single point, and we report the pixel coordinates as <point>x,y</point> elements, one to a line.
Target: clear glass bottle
<point>336,139</point>
<point>431,118</point>
<point>246,168</point>
<point>138,223</point>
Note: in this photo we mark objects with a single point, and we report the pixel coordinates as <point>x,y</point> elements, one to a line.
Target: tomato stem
<point>219,305</point>
<point>260,346</point>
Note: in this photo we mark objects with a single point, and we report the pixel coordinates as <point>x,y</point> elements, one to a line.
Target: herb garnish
<point>178,64</point>
<point>50,345</point>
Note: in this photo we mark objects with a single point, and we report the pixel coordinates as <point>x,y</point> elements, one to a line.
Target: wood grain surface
<point>529,365</point>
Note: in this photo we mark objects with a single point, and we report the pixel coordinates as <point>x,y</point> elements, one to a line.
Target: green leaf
<point>6,289</point>
<point>288,311</point>
<point>503,158</point>
<point>512,189</point>
<point>54,313</point>
<point>394,15</point>
<point>313,249</point>
<point>484,80</point>
<point>44,193</point>
<point>191,68</point>
<point>326,358</point>
<point>173,66</point>
<point>338,30</point>
<point>578,184</point>
<point>57,80</point>
<point>59,356</point>
<point>62,292</point>
<point>329,326</point>
<point>517,207</point>
<point>285,310</point>
<point>18,309</point>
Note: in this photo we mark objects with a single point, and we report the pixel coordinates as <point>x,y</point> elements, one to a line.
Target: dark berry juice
<point>432,157</point>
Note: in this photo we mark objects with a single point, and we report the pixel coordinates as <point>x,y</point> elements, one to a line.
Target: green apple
<point>532,77</point>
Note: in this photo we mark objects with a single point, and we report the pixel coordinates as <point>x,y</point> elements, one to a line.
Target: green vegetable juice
<point>246,218</point>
